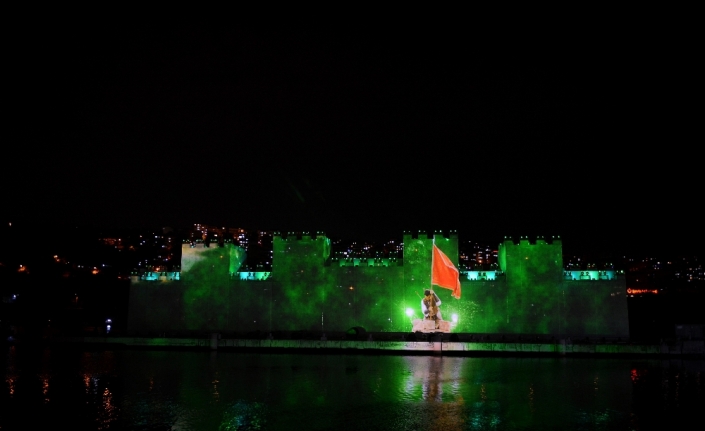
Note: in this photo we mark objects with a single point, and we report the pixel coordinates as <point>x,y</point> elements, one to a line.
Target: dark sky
<point>360,132</point>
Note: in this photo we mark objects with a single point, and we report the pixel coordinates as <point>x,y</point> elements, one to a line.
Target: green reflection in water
<point>242,415</point>
<point>202,390</point>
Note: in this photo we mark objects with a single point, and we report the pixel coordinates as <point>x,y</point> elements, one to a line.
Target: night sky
<point>356,131</point>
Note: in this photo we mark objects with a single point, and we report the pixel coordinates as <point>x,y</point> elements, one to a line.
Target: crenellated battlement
<point>544,254</point>
<point>424,234</point>
<point>536,240</point>
<point>299,249</point>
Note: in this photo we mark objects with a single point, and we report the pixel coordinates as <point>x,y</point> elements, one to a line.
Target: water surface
<point>188,390</point>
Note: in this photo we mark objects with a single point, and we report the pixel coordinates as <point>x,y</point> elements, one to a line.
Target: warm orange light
<point>638,291</point>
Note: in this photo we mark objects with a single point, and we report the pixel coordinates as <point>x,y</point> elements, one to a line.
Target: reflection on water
<point>169,390</point>
<point>108,412</point>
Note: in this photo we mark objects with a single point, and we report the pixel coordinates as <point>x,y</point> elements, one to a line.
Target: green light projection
<point>237,257</point>
<point>533,273</point>
<point>208,285</point>
<point>534,296</point>
<point>307,290</point>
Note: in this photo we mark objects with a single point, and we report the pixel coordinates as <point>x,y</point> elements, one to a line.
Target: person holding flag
<point>443,274</point>
<point>429,306</point>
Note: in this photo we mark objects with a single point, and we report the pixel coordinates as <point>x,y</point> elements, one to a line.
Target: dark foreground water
<point>179,390</point>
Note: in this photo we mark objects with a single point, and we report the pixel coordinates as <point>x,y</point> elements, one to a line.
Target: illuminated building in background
<point>476,256</point>
<point>256,244</point>
<point>651,275</point>
<point>311,287</point>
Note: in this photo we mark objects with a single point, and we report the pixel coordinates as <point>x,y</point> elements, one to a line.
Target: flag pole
<point>433,256</point>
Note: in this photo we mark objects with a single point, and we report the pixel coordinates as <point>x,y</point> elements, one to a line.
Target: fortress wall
<point>309,292</point>
<point>483,307</point>
<point>155,307</point>
<point>596,308</point>
<point>533,272</point>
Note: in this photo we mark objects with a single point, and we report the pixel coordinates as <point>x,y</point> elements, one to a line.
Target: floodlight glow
<point>455,318</point>
<point>409,312</point>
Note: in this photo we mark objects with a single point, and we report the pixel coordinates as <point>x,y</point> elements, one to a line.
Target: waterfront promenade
<point>432,345</point>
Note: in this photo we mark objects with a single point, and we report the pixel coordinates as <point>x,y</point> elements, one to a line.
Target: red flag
<point>444,273</point>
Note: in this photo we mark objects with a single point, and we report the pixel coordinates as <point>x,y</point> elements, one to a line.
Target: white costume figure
<point>429,306</point>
